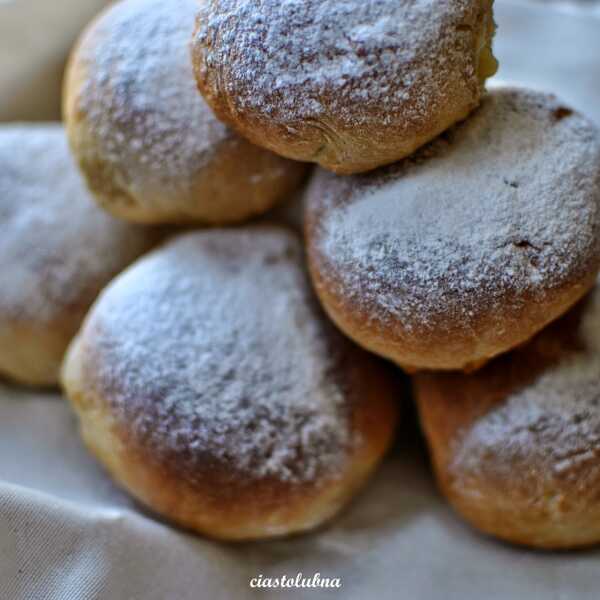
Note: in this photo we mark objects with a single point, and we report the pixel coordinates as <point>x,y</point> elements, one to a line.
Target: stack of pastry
<point>451,230</point>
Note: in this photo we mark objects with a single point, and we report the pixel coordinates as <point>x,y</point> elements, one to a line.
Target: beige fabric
<point>67,533</point>
<point>35,37</point>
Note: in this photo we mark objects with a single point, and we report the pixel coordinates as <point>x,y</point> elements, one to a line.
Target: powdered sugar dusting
<point>212,348</point>
<point>503,206</point>
<point>57,248</point>
<point>140,95</point>
<point>551,420</point>
<point>356,61</point>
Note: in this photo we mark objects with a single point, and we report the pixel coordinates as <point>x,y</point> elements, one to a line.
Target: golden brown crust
<point>416,349</point>
<point>149,146</point>
<point>516,446</point>
<point>350,86</point>
<point>228,478</point>
<point>435,267</point>
<point>226,506</point>
<point>32,355</point>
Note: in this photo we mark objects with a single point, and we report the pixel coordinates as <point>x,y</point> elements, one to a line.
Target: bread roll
<point>149,146</point>
<point>349,85</point>
<point>209,383</point>
<point>470,247</point>
<point>516,446</point>
<point>57,251</point>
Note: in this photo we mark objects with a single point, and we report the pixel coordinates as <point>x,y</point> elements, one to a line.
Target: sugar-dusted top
<point>544,420</point>
<point>140,96</point>
<point>212,351</point>
<point>359,62</point>
<point>504,207</point>
<point>57,248</point>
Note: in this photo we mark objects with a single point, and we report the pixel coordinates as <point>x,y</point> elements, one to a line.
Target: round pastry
<point>516,446</point>
<point>471,246</point>
<point>57,251</point>
<point>211,386</point>
<point>147,143</point>
<point>350,85</point>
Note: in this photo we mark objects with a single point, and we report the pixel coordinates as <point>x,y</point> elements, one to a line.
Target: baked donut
<point>57,251</point>
<point>516,446</point>
<point>149,146</point>
<point>211,386</point>
<point>350,85</point>
<point>470,247</point>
